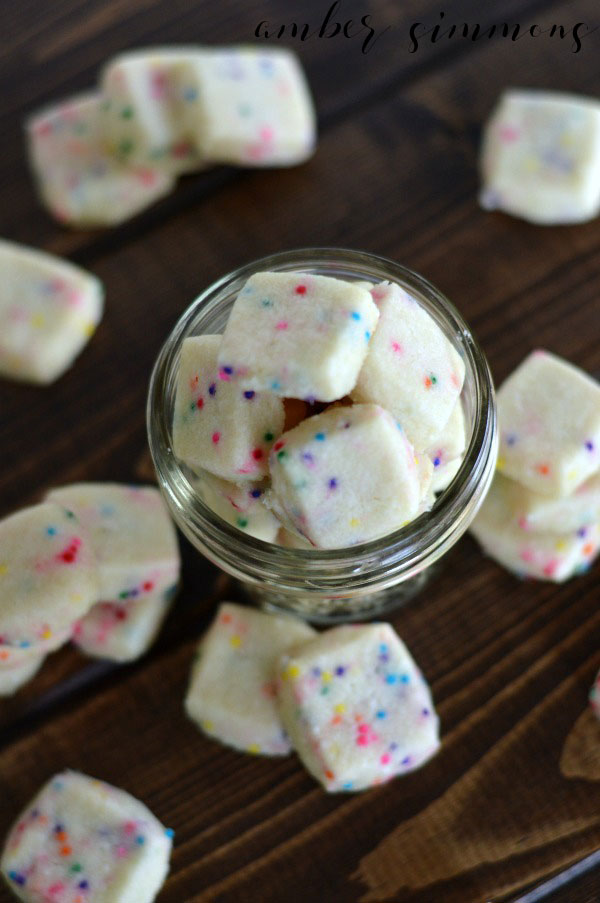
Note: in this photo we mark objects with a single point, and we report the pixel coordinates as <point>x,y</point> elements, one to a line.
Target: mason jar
<point>328,585</point>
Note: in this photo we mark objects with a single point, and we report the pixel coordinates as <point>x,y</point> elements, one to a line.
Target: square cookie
<point>49,309</point>
<point>322,486</point>
<point>83,841</point>
<point>132,535</point>
<point>78,180</point>
<point>232,689</point>
<point>247,106</point>
<point>356,707</point>
<point>298,335</point>
<point>541,157</point>
<point>411,368</point>
<point>218,425</point>
<point>549,420</point>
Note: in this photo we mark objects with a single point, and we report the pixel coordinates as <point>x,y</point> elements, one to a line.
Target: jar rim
<point>382,561</point>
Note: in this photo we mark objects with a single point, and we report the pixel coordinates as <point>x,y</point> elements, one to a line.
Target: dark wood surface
<point>513,797</point>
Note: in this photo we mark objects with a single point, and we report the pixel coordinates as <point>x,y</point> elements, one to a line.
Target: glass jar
<point>360,581</point>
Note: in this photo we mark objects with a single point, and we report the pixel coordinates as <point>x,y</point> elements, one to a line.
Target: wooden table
<point>504,806</point>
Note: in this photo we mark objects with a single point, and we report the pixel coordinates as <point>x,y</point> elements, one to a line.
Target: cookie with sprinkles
<point>219,425</point>
<point>135,544</point>
<point>411,368</point>
<point>549,420</point>
<point>447,453</point>
<point>246,106</point>
<point>83,841</point>
<point>356,707</point>
<point>141,114</point>
<point>323,488</point>
<point>232,691</point>
<point>540,158</point>
<point>48,577</point>
<point>555,555</point>
<point>80,182</point>
<point>239,504</point>
<point>49,309</point>
<point>298,335</point>
<point>533,512</point>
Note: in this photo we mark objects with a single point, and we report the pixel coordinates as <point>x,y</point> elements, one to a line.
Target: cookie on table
<point>78,180</point>
<point>49,309</point>
<point>85,841</point>
<point>356,707</point>
<point>541,157</point>
<point>232,691</point>
<point>246,106</point>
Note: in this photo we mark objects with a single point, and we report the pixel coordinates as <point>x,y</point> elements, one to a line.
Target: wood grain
<point>513,797</point>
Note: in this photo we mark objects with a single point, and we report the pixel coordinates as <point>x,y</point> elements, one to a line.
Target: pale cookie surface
<point>411,368</point>
<point>549,420</point>
<point>323,484</point>
<point>356,707</point>
<point>543,513</point>
<point>541,157</point>
<point>132,536</point>
<point>218,425</point>
<point>247,106</point>
<point>447,452</point>
<point>48,574</point>
<point>298,335</point>
<point>142,117</point>
<point>232,689</point>
<point>554,556</point>
<point>241,505</point>
<point>122,632</point>
<point>12,677</point>
<point>83,841</point>
<point>49,309</point>
<point>79,181</point>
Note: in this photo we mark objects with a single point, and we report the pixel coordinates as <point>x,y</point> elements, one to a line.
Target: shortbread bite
<point>346,476</point>
<point>447,452</point>
<point>218,425</point>
<point>83,840</point>
<point>132,535</point>
<point>123,631</point>
<point>247,106</point>
<point>142,115</point>
<point>356,707</point>
<point>241,505</point>
<point>233,685</point>
<point>48,576</point>
<point>554,556</point>
<point>541,157</point>
<point>13,677</point>
<point>49,309</point>
<point>78,180</point>
<point>298,335</point>
<point>549,420</point>
<point>411,368</point>
<point>532,511</point>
